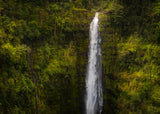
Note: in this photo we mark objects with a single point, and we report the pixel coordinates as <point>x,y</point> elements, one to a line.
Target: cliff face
<point>44,53</point>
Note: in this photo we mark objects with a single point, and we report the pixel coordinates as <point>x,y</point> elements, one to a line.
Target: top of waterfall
<point>97,13</point>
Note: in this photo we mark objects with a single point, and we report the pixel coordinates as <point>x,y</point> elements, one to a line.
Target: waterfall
<point>94,94</point>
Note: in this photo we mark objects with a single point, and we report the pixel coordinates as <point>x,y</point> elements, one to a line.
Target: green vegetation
<point>44,50</point>
<point>130,32</point>
<point>41,70</point>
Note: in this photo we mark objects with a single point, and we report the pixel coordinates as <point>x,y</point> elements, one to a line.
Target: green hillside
<point>44,54</point>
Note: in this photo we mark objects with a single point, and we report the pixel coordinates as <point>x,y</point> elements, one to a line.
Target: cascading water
<point>94,94</point>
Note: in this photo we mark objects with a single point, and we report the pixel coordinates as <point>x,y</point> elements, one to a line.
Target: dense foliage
<point>41,70</point>
<point>130,32</point>
<point>44,49</point>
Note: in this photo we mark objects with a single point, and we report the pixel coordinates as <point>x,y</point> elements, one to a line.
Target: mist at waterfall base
<point>94,94</point>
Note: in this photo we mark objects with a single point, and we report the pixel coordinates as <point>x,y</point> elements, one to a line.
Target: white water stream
<point>94,94</point>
